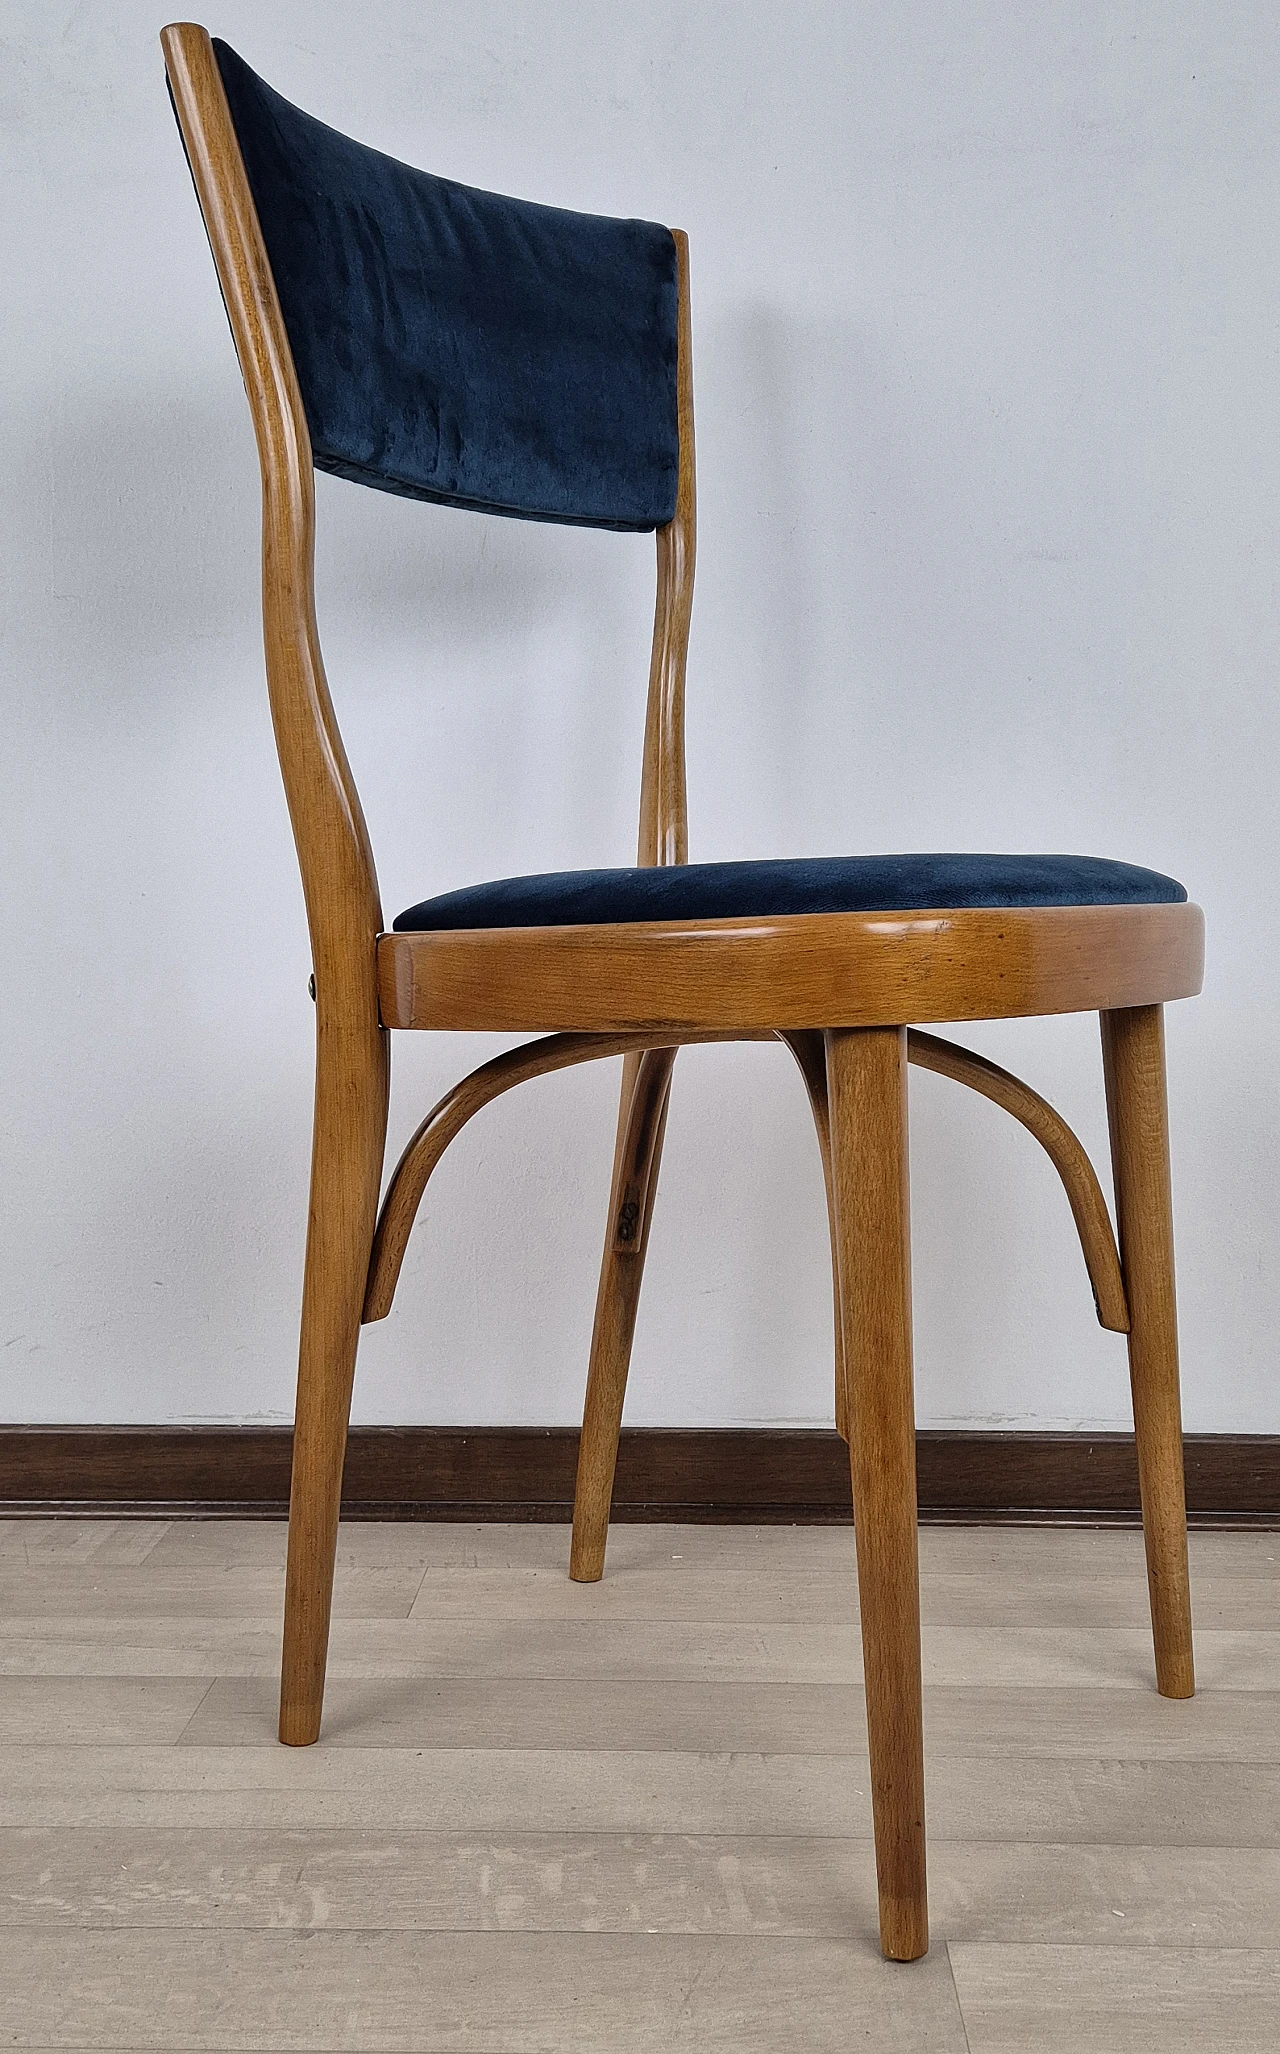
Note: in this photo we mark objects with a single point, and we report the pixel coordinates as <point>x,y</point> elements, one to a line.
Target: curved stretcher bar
<point>446,1120</point>
<point>561,1051</point>
<point>1065,1151</point>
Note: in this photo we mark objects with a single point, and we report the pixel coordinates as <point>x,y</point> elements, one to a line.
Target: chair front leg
<point>642,1119</point>
<point>349,1137</point>
<point>867,1089</point>
<point>1137,1111</point>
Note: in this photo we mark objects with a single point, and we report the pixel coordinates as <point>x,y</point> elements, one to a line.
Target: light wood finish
<point>350,1131</point>
<point>338,878</point>
<point>1137,1111</point>
<point>642,1119</point>
<point>867,1095</point>
<point>639,1143</point>
<point>664,820</point>
<point>660,1867</point>
<point>640,1153</point>
<point>644,1102</point>
<point>447,1119</point>
<point>857,977</point>
<point>646,1079</point>
<point>795,970</point>
<point>1067,1154</point>
<point>810,1052</point>
<point>618,1298</point>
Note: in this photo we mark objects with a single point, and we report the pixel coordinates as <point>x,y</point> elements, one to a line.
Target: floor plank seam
<point>178,1737</point>
<point>964,2023</point>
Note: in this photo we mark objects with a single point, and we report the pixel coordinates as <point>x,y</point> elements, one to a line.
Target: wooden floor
<point>549,1819</point>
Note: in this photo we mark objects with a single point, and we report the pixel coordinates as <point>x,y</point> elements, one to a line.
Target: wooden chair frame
<point>838,989</point>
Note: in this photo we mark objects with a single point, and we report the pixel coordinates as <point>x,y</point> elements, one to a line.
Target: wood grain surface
<point>796,970</point>
<point>625,1816</point>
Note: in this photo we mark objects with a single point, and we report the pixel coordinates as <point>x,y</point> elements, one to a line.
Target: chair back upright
<point>445,344</point>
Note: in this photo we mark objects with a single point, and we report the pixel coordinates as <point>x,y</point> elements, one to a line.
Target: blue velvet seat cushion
<point>457,346</point>
<point>807,884</point>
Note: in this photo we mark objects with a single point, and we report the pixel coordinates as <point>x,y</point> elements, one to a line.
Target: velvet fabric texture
<point>809,884</point>
<point>456,346</point>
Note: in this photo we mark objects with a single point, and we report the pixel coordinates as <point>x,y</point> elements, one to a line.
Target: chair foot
<point>866,1077</point>
<point>346,1168</point>
<point>1137,1111</point>
<point>642,1116</point>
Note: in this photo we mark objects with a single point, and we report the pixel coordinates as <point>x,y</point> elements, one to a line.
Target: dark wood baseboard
<point>726,1475</point>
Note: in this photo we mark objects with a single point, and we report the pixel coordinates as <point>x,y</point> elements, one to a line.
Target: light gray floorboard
<point>627,1817</point>
<point>151,1590</point>
<point>78,1711</point>
<point>474,1993</point>
<point>1006,1552</point>
<point>414,1711</point>
<point>1124,1803</point>
<point>587,1649</point>
<point>1095,2000</point>
<point>817,1887</point>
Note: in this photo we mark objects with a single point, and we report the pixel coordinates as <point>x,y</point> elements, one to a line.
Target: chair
<point>458,347</point>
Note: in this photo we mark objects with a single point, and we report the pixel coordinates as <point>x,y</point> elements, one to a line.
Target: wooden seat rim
<point>793,970</point>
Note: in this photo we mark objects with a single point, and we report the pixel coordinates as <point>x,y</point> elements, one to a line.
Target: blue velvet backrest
<point>457,346</point>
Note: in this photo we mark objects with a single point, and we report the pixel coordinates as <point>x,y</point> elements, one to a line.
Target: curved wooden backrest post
<point>334,853</point>
<point>339,882</point>
<point>338,877</point>
<point>664,807</point>
<point>664,818</point>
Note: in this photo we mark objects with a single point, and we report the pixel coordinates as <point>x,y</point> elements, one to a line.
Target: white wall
<point>985,307</point>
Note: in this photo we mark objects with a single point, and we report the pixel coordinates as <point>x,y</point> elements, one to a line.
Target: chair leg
<point>867,1088</point>
<point>349,1137</point>
<point>808,1047</point>
<point>1137,1110</point>
<point>642,1119</point>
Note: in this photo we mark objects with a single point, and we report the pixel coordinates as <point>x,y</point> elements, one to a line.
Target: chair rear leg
<point>867,1089</point>
<point>1137,1110</point>
<point>348,1141</point>
<point>808,1046</point>
<point>642,1119</point>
